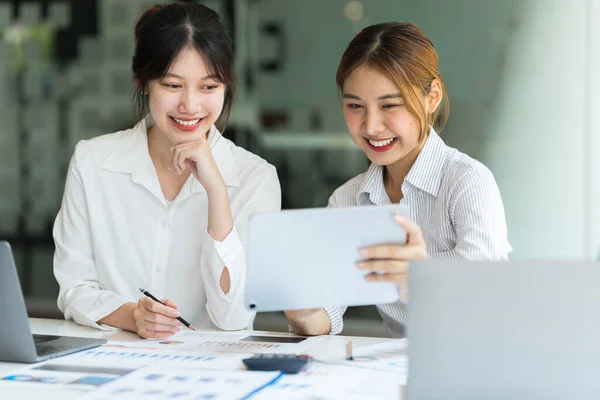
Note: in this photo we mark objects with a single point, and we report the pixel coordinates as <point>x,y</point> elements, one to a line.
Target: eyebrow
<point>387,96</point>
<point>171,75</point>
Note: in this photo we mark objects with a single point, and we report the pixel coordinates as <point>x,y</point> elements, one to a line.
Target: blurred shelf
<point>306,141</point>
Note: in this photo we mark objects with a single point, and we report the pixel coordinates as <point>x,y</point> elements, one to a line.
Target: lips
<point>381,145</point>
<point>186,124</point>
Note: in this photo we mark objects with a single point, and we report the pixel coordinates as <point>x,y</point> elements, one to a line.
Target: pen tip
<point>141,290</point>
<point>192,327</point>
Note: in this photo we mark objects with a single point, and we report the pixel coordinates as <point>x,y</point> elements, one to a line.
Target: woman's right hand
<point>389,262</point>
<point>155,320</point>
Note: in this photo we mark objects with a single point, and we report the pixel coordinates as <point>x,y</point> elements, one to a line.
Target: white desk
<point>328,346</point>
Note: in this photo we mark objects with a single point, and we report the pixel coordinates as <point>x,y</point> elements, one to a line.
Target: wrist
<point>216,190</point>
<point>310,323</point>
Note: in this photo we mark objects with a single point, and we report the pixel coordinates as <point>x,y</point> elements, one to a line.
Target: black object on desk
<point>286,363</point>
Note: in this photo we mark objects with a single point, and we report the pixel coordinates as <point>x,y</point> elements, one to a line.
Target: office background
<point>521,77</point>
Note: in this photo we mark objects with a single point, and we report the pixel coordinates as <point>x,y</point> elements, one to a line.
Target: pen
<point>349,355</point>
<point>183,321</point>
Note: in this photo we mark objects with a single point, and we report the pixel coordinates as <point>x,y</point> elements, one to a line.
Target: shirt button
<point>165,223</point>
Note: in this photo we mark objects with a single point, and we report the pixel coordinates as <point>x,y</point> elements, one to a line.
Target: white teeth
<point>380,143</point>
<point>186,123</point>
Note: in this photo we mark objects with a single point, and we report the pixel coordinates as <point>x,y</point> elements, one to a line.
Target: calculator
<point>286,363</point>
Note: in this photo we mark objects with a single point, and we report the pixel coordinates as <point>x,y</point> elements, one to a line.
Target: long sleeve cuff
<point>85,306</point>
<point>336,318</point>
<point>227,311</point>
<point>228,254</point>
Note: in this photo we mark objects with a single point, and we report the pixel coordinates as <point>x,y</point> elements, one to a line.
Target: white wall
<point>539,136</point>
<point>593,133</point>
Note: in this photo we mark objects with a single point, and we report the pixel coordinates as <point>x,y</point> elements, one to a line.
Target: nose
<point>190,103</point>
<point>373,123</point>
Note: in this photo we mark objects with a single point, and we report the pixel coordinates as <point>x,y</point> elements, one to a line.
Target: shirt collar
<point>371,189</point>
<point>131,156</point>
<point>425,174</point>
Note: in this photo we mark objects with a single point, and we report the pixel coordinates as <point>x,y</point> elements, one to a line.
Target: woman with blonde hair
<point>395,105</point>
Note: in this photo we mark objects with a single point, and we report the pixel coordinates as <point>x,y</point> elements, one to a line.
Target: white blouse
<point>115,232</point>
<point>452,197</point>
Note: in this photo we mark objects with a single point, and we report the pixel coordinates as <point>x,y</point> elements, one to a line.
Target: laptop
<point>17,344</point>
<point>499,330</point>
<point>301,259</point>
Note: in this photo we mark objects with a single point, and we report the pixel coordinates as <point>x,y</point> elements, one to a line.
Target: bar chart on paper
<point>228,342</point>
<point>184,384</point>
<point>134,357</point>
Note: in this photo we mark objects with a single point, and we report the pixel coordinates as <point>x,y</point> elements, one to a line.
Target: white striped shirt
<point>452,197</point>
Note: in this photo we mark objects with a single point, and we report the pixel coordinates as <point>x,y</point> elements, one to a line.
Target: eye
<point>171,85</point>
<point>390,106</point>
<point>353,106</point>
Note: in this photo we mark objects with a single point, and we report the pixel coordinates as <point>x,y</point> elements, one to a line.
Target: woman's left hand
<point>198,157</point>
<point>389,263</point>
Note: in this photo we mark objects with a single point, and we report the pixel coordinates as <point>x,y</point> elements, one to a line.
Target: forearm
<point>121,318</point>
<point>220,224</point>
<point>313,324</point>
<point>220,220</point>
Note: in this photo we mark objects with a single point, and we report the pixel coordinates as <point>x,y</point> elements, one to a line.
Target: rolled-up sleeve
<point>80,297</point>
<point>336,318</point>
<point>227,311</point>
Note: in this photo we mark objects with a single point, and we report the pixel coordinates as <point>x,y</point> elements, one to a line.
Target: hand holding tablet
<point>303,259</point>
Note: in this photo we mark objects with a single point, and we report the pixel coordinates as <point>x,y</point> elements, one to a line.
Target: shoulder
<point>468,182</point>
<point>345,195</point>
<point>95,151</point>
<point>250,167</point>
<point>461,170</point>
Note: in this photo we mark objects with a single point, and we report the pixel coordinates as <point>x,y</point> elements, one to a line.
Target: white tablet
<point>300,259</point>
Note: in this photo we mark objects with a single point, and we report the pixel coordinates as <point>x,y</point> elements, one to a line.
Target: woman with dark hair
<point>394,104</point>
<point>164,205</point>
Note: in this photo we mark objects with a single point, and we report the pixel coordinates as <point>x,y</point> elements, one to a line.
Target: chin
<point>383,163</point>
<point>184,137</point>
<point>382,159</point>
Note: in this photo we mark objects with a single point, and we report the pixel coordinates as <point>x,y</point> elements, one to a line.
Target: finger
<point>150,334</point>
<point>414,234</point>
<point>177,161</point>
<point>174,152</point>
<point>158,308</point>
<point>394,252</point>
<point>169,303</point>
<point>191,164</point>
<point>389,266</point>
<point>395,278</point>
<point>171,325</point>
<point>156,318</point>
<point>399,279</point>
<point>180,153</point>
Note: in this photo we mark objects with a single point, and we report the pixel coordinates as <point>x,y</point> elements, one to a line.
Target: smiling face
<point>186,101</point>
<point>378,120</point>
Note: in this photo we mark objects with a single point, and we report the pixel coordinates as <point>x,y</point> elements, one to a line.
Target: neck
<point>160,149</point>
<point>395,173</point>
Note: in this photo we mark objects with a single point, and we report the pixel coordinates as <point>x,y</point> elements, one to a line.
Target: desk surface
<point>328,346</point>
